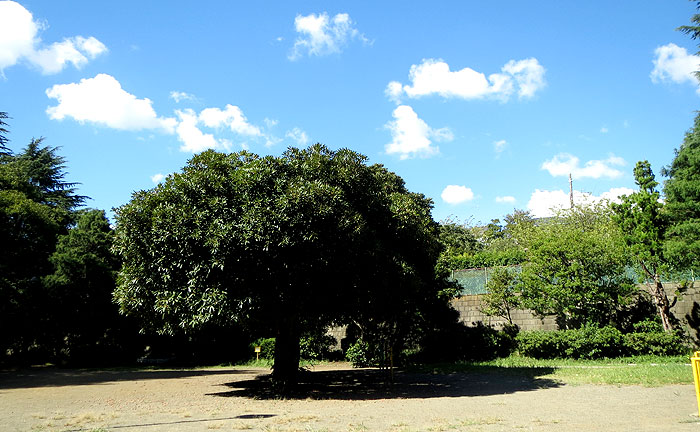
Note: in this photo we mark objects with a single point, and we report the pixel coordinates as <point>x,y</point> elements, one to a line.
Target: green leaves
<point>576,268</point>
<point>682,191</point>
<point>314,234</point>
<point>642,222</point>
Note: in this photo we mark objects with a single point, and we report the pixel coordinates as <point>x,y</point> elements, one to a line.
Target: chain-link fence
<point>473,281</point>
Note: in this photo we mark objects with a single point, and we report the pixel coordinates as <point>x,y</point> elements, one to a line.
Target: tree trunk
<point>662,304</point>
<point>286,365</point>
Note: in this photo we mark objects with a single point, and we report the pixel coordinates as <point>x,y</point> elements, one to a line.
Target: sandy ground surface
<point>331,398</point>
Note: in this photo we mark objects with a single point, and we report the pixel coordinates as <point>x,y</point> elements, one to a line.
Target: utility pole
<point>571,191</point>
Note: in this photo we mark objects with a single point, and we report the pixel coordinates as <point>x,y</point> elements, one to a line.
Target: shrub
<point>362,354</point>
<point>649,338</point>
<point>267,348</point>
<point>658,343</point>
<point>583,343</point>
<point>603,342</point>
<point>317,347</point>
<point>459,342</point>
<point>594,342</point>
<point>540,344</point>
<point>313,347</point>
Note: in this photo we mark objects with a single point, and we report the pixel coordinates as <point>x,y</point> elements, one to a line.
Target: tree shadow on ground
<point>56,377</point>
<point>372,384</point>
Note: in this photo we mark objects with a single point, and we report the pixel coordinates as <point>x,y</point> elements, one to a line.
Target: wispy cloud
<point>297,135</point>
<point>505,199</point>
<point>179,96</point>
<point>321,35</point>
<point>499,146</point>
<point>564,164</point>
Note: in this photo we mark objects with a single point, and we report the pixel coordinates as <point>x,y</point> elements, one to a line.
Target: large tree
<point>296,242</point>
<point>576,268</point>
<point>643,224</point>
<point>36,206</point>
<point>682,192</point>
<point>84,320</point>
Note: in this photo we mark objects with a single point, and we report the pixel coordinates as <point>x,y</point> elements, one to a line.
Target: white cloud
<point>499,146</point>
<point>411,136</point>
<point>528,74</point>
<point>192,138</point>
<point>393,91</point>
<point>604,130</point>
<point>505,199</point>
<point>179,96</point>
<point>433,76</point>
<point>19,41</point>
<point>298,135</point>
<point>231,117</point>
<point>614,194</point>
<point>455,194</point>
<point>102,100</point>
<point>673,63</point>
<point>544,203</point>
<point>54,58</point>
<point>564,164</point>
<point>157,178</point>
<point>323,35</point>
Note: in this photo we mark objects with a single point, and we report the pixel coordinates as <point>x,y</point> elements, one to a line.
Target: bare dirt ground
<point>331,398</point>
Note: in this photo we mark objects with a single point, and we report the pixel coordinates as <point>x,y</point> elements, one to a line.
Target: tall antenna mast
<point>571,191</point>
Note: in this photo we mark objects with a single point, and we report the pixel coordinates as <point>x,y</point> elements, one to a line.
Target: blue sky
<point>482,106</point>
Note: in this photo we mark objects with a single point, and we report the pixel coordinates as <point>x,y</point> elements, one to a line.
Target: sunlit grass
<point>644,370</point>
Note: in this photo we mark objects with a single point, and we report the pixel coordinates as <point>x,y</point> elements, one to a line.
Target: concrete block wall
<point>469,313</point>
<point>469,310</point>
<point>686,300</point>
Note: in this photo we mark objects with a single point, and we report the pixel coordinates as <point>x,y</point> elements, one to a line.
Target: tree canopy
<point>682,193</point>
<point>36,206</point>
<point>643,225</point>
<point>83,317</point>
<point>295,242</point>
<point>576,268</point>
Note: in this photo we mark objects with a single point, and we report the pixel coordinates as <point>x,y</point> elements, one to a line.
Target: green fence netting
<point>473,281</point>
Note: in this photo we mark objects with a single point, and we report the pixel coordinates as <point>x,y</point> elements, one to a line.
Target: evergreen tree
<point>36,206</point>
<point>643,225</point>
<point>4,150</point>
<point>682,191</point>
<point>83,317</point>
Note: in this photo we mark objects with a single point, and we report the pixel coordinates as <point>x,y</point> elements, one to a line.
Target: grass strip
<point>648,371</point>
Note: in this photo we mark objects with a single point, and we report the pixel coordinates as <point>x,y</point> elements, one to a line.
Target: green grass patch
<point>267,363</point>
<point>650,371</point>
